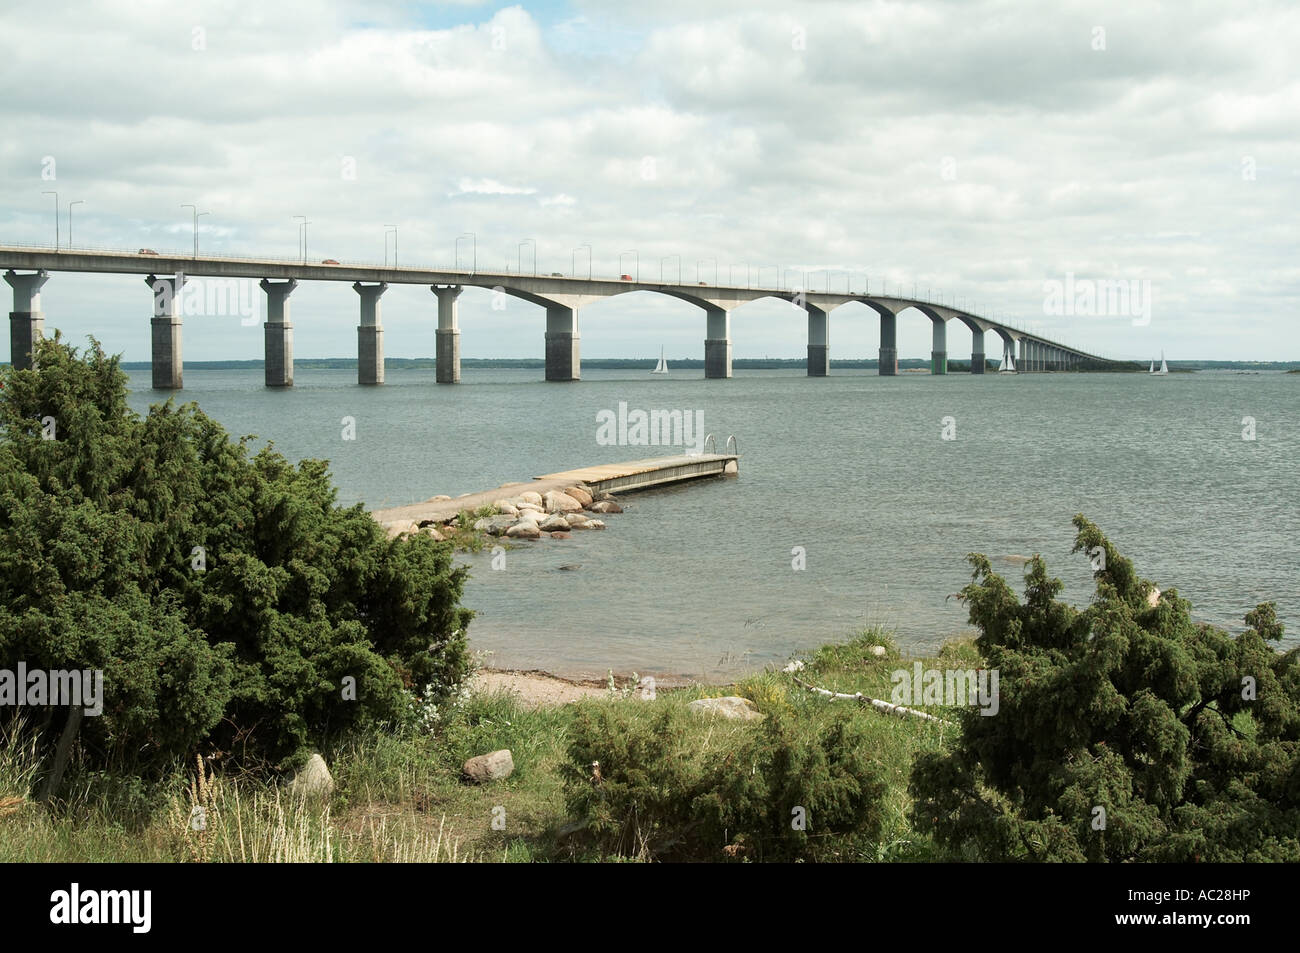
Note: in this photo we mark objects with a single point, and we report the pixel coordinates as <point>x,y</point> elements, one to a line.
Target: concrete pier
<point>563,353</point>
<point>26,320</point>
<point>888,345</point>
<point>819,343</point>
<point>168,362</point>
<point>448,334</point>
<point>279,333</point>
<point>939,346</point>
<point>977,358</point>
<point>370,334</point>
<point>717,343</point>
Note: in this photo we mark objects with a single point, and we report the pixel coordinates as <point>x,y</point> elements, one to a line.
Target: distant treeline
<point>740,363</point>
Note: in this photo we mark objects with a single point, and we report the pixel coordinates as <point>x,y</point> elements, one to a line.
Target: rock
<point>879,651</point>
<point>570,567</point>
<point>313,779</point>
<point>531,496</point>
<point>732,707</point>
<point>553,523</point>
<point>530,508</point>
<point>586,524</point>
<point>579,494</point>
<point>795,665</point>
<point>490,767</point>
<point>499,525</point>
<point>605,506</point>
<point>481,525</point>
<point>398,527</point>
<point>576,520</point>
<point>600,496</point>
<point>439,499</point>
<point>559,535</point>
<point>437,536</point>
<point>1153,597</point>
<point>557,502</point>
<point>507,509</point>
<point>524,530</point>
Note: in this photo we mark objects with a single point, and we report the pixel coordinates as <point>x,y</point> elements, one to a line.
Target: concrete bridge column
<point>939,347</point>
<point>448,334</point>
<point>26,320</point>
<point>563,350</point>
<point>370,334</point>
<point>888,345</point>
<point>717,344</point>
<point>977,352</point>
<point>1023,365</point>
<point>819,342</point>
<point>168,363</point>
<point>279,332</point>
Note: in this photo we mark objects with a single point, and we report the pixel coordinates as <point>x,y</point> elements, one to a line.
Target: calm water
<point>697,580</point>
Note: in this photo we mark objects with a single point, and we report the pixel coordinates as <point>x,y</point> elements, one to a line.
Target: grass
<point>399,796</point>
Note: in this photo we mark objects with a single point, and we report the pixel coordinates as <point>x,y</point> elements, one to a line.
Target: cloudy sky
<point>978,149</point>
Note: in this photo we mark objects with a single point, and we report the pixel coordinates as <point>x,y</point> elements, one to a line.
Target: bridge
<point>561,297</point>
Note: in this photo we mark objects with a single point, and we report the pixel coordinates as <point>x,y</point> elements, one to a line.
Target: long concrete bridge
<point>560,296</point>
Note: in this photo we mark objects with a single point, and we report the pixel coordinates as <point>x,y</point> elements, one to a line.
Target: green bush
<point>240,647</point>
<point>1126,731</point>
<point>672,787</point>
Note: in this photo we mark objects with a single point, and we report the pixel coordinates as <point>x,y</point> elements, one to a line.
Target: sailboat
<point>1008,366</point>
<point>1152,369</point>
<point>662,366</point>
<point>1164,368</point>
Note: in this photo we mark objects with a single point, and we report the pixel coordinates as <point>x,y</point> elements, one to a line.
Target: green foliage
<point>663,794</point>
<point>98,534</point>
<point>1186,737</point>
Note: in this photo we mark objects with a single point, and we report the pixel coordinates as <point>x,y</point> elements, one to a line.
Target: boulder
<point>531,496</point>
<point>507,509</point>
<point>605,506</point>
<point>576,520</point>
<point>481,524</point>
<point>554,522</point>
<point>594,524</point>
<point>495,766</point>
<point>559,535</point>
<point>732,707</point>
<point>530,508</point>
<point>498,525</point>
<point>557,502</point>
<point>580,494</point>
<point>879,651</point>
<point>524,529</point>
<point>313,779</point>
<point>795,666</point>
<point>398,527</point>
<point>437,536</point>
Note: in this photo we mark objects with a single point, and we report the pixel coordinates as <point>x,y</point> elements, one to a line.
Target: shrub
<point>1126,732</point>
<point>224,595</point>
<point>671,787</point>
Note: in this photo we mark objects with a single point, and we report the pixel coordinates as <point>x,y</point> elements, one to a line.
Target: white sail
<point>1152,369</point>
<point>1164,368</point>
<point>662,366</point>
<point>1008,365</point>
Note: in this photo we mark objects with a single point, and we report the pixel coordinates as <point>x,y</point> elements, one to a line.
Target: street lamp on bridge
<point>573,260</point>
<point>387,229</point>
<point>70,204</point>
<point>473,237</point>
<point>519,255</point>
<point>302,237</point>
<point>636,267</point>
<point>679,267</point>
<point>197,213</point>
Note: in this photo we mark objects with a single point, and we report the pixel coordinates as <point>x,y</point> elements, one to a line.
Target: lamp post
<point>70,204</point>
<point>636,259</point>
<point>56,217</point>
<point>197,213</point>
<point>302,237</point>
<point>573,260</point>
<point>387,229</point>
<point>701,261</point>
<point>474,240</point>
<point>679,267</point>
<point>519,253</point>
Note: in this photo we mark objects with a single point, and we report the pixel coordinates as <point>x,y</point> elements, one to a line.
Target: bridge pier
<point>1023,364</point>
<point>447,335</point>
<point>279,332</point>
<point>26,320</point>
<point>717,344</point>
<point>370,334</point>
<point>977,352</point>
<point>939,347</point>
<point>819,343</point>
<point>563,348</point>
<point>888,345</point>
<point>167,361</point>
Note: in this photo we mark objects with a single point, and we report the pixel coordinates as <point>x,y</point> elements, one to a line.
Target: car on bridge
<point>556,274</point>
<point>328,261</point>
<point>146,251</point>
<point>624,277</point>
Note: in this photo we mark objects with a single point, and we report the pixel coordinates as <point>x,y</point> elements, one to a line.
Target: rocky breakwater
<point>527,514</point>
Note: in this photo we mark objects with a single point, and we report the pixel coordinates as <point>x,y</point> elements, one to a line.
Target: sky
<point>983,150</point>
